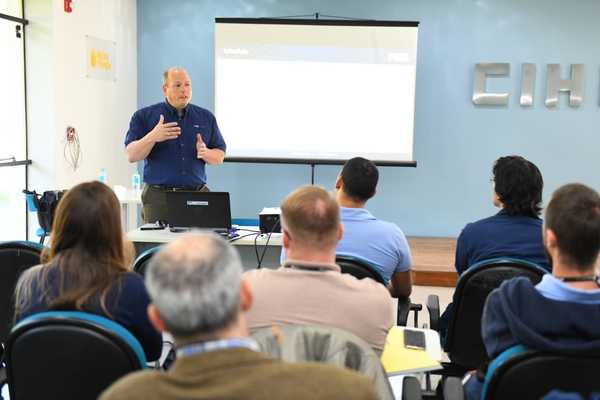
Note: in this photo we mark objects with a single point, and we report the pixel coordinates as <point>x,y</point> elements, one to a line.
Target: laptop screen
<point>204,210</point>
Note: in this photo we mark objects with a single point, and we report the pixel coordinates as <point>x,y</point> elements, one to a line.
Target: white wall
<point>59,94</point>
<point>100,110</point>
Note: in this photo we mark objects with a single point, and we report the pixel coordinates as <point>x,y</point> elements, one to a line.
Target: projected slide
<point>316,92</point>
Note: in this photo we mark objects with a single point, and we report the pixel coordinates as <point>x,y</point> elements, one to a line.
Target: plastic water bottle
<point>103,177</point>
<point>136,183</point>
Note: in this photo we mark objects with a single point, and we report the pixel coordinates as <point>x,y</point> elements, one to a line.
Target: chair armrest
<point>433,306</point>
<point>411,389</point>
<point>414,307</point>
<point>453,389</point>
<point>403,310</point>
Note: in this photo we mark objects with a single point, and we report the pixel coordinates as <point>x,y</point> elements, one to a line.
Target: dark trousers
<point>154,202</point>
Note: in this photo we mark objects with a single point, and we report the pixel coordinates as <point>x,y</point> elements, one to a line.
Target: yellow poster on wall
<point>100,59</point>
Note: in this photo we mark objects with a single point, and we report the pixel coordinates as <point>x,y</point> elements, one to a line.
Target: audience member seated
<point>515,231</point>
<point>199,297</point>
<point>381,243</point>
<point>87,268</point>
<point>561,314</point>
<point>309,288</point>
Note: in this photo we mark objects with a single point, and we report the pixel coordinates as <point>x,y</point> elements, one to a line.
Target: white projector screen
<point>316,91</point>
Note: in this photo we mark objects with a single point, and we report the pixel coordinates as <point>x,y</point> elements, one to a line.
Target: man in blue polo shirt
<point>381,243</point>
<point>176,140</point>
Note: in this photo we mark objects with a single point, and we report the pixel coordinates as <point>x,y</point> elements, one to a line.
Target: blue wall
<point>455,142</point>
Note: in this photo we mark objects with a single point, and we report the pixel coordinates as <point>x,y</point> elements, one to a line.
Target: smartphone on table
<point>414,339</point>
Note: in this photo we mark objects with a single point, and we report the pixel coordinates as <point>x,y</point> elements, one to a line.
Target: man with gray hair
<point>199,296</point>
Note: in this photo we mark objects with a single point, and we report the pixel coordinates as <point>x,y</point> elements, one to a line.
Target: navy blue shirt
<point>501,235</point>
<point>175,162</point>
<point>127,302</point>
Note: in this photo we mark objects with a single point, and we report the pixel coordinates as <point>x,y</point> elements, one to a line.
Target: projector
<point>269,220</point>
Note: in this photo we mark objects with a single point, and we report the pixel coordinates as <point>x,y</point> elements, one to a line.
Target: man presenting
<point>176,140</point>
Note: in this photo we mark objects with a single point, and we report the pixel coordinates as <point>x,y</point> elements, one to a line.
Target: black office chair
<point>141,262</point>
<point>15,257</point>
<point>362,269</point>
<point>521,373</point>
<point>68,355</point>
<point>463,340</point>
<point>358,267</point>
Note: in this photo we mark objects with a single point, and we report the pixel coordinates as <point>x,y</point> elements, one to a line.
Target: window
<point>13,136</point>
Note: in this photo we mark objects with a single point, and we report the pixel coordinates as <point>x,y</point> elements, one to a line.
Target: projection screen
<point>316,91</point>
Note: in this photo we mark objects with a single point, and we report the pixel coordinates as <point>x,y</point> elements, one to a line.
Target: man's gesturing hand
<point>162,131</point>
<point>201,147</point>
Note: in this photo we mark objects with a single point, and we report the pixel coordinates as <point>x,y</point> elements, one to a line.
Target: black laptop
<point>200,210</point>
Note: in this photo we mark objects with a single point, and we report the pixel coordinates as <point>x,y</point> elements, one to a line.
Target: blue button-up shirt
<point>175,162</point>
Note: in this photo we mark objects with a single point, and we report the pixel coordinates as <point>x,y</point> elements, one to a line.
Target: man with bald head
<point>199,296</point>
<point>309,289</point>
<point>176,140</point>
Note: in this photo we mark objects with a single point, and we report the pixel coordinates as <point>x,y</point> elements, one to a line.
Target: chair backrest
<point>358,267</point>
<point>68,355</point>
<point>362,269</point>
<point>520,373</point>
<point>463,341</point>
<point>305,343</point>
<point>141,262</point>
<point>15,257</point>
<point>45,206</point>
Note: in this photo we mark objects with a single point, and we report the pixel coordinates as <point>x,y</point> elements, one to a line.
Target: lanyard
<point>213,345</point>
<point>305,268</point>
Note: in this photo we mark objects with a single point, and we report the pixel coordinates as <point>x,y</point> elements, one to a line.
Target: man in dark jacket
<point>561,314</point>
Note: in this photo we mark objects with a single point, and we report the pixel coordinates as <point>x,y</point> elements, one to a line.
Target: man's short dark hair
<point>518,184</point>
<point>574,216</point>
<point>360,177</point>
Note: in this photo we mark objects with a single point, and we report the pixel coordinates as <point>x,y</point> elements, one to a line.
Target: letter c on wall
<point>480,95</point>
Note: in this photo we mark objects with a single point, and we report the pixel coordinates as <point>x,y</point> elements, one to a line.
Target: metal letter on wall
<point>482,71</point>
<point>555,85</point>
<point>528,74</point>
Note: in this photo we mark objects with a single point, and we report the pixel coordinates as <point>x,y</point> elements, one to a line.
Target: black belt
<point>177,188</point>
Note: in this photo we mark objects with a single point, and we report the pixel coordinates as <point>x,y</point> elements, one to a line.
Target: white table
<point>144,239</point>
<point>434,350</point>
<point>131,207</point>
